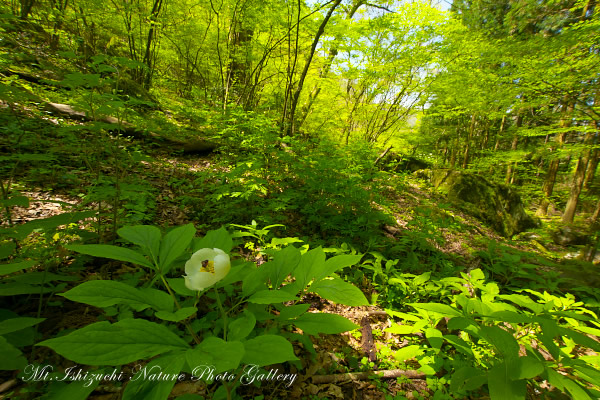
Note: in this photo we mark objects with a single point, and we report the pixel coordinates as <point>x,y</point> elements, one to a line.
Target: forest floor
<point>336,354</point>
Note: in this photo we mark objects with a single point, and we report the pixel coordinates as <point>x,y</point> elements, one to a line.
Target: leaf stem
<point>186,323</point>
<point>223,314</point>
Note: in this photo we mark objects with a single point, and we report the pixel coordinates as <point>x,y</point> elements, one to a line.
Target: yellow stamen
<point>208,266</point>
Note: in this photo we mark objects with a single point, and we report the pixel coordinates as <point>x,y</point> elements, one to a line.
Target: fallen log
<point>197,146</point>
<point>362,376</point>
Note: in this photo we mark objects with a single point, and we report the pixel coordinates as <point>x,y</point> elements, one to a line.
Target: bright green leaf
<point>339,291</point>
<point>104,293</point>
<point>271,297</point>
<point>178,315</point>
<point>174,245</point>
<point>267,350</point>
<point>145,236</point>
<point>315,323</point>
<point>128,340</point>
<point>215,354</point>
<point>114,252</point>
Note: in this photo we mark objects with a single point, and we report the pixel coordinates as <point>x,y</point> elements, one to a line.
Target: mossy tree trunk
<point>577,185</point>
<point>548,186</point>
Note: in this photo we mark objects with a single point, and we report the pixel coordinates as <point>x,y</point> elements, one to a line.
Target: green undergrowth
<point>297,217</point>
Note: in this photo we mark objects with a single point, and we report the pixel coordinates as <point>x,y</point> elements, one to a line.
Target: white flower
<point>205,268</point>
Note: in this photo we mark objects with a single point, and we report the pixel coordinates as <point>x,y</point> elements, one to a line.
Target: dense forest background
<point>425,170</point>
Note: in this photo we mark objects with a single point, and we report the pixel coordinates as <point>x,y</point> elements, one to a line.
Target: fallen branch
<point>363,376</point>
<point>382,155</point>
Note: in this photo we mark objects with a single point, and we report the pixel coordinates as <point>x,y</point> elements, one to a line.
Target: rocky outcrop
<point>498,206</point>
<point>570,236</point>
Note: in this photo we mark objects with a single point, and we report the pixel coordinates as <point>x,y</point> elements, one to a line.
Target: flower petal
<point>194,264</point>
<point>197,277</point>
<point>222,266</point>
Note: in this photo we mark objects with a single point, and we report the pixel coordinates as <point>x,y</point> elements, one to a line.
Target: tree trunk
<point>548,186</point>
<point>510,170</point>
<point>325,70</point>
<point>148,56</point>
<point>466,156</point>
<point>292,115</point>
<point>26,7</point>
<point>577,184</point>
<point>593,166</point>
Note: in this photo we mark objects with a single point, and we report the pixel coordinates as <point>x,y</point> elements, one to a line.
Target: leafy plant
<point>508,342</point>
<point>239,327</point>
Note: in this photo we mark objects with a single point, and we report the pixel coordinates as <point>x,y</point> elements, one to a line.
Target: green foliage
<point>329,188</point>
<point>253,331</point>
<point>507,341</point>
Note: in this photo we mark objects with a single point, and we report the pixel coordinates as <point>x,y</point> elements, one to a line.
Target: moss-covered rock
<point>498,206</point>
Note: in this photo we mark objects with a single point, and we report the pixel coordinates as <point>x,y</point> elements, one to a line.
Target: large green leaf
<point>178,286</point>
<point>580,338</point>
<point>438,308</point>
<point>215,355</point>
<point>315,323</point>
<point>47,224</point>
<point>460,344</point>
<point>271,297</point>
<point>78,390</point>
<point>16,324</point>
<point>293,311</point>
<point>20,201</point>
<point>504,341</point>
<point>6,269</point>
<point>501,387</point>
<point>178,315</point>
<point>14,289</point>
<point>576,391</point>
<point>145,236</point>
<point>103,293</point>
<point>339,291</point>
<point>12,358</point>
<point>268,350</point>
<point>6,249</point>
<point>336,263</point>
<point>310,263</point>
<point>241,327</point>
<point>123,342</point>
<point>284,262</point>
<point>527,367</point>
<point>114,252</point>
<point>254,281</point>
<point>220,239</point>
<point>147,384</point>
<point>408,352</point>
<point>467,378</point>
<point>174,245</point>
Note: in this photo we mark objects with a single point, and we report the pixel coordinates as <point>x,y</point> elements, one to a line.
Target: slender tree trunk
<point>152,32</point>
<point>291,71</point>
<point>554,163</point>
<point>593,166</point>
<point>325,70</point>
<point>510,170</point>
<point>26,7</point>
<point>465,162</point>
<point>577,185</point>
<point>292,115</point>
<point>61,7</point>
